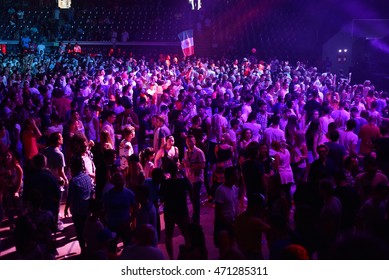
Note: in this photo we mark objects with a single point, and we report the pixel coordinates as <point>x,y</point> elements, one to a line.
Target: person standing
<point>321,168</point>
<point>161,131</point>
<point>55,158</point>
<point>282,166</point>
<point>194,162</point>
<point>11,176</point>
<point>219,126</point>
<point>125,148</point>
<point>273,132</point>
<point>44,182</point>
<point>226,199</point>
<point>29,136</point>
<point>341,116</point>
<point>80,192</point>
<point>119,206</point>
<point>348,139</point>
<point>56,163</point>
<point>108,126</point>
<point>91,125</point>
<point>173,193</point>
<point>253,173</point>
<point>368,134</point>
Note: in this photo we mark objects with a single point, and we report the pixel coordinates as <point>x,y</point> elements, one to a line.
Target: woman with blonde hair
<point>106,142</point>
<point>299,155</point>
<point>104,145</point>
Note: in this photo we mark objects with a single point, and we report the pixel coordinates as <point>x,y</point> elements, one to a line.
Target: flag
<point>187,44</point>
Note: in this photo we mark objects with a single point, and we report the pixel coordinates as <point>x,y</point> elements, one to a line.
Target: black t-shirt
<point>43,182</point>
<point>143,126</point>
<point>309,107</point>
<point>174,193</point>
<point>177,128</point>
<point>336,152</point>
<point>351,203</point>
<point>197,132</point>
<point>319,171</point>
<point>253,171</point>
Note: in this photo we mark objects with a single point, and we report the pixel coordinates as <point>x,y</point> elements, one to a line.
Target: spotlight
<point>340,51</point>
<point>345,50</point>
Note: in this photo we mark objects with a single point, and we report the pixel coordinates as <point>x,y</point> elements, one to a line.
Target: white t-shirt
<point>125,150</point>
<point>228,198</point>
<point>218,122</point>
<point>347,139</point>
<point>341,117</point>
<point>232,134</point>
<point>324,122</point>
<point>246,110</point>
<point>255,129</point>
<point>273,134</point>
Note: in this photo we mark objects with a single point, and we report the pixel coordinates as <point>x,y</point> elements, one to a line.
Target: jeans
<point>196,201</point>
<point>79,224</point>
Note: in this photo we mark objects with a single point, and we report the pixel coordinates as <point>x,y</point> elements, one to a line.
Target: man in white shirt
<point>108,125</point>
<point>246,108</point>
<point>325,120</point>
<point>284,121</point>
<point>357,103</point>
<point>341,116</point>
<point>226,200</point>
<point>273,132</point>
<point>348,138</point>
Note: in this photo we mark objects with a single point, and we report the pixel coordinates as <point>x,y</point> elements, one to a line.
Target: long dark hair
<point>312,129</point>
<point>145,154</point>
<point>290,129</point>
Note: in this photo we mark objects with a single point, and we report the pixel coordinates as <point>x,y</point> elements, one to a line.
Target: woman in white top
<point>282,165</point>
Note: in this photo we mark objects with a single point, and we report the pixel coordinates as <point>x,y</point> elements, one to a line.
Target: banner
<point>187,44</point>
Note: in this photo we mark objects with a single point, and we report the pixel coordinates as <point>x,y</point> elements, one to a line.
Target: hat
<point>198,87</point>
<point>245,59</point>
<point>105,235</point>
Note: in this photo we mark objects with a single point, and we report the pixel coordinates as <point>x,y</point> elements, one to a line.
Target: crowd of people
<point>119,137</point>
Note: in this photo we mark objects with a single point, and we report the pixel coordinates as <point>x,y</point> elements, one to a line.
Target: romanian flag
<point>187,44</point>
